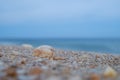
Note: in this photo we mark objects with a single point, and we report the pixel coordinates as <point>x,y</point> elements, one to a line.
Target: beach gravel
<point>18,63</point>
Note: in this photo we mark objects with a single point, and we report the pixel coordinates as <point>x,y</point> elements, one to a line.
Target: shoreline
<point>77,64</point>
<point>94,52</point>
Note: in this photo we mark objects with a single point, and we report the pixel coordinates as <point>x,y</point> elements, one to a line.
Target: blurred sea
<point>94,45</point>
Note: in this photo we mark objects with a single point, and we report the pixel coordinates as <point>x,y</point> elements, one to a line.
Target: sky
<point>59,18</point>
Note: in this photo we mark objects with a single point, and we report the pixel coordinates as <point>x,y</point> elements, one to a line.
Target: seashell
<point>44,52</point>
<point>110,72</point>
<point>27,46</point>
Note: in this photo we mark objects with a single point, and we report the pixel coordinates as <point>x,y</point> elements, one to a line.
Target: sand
<point>18,63</point>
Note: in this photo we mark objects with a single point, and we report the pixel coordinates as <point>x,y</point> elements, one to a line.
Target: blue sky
<point>59,18</point>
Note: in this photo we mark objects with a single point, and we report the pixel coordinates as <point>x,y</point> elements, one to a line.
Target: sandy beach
<point>18,63</point>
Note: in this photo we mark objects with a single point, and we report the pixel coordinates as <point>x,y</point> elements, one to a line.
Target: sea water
<point>92,45</point>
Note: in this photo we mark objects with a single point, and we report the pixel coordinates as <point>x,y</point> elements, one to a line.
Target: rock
<point>110,72</point>
<point>44,52</point>
<point>23,61</point>
<point>20,72</point>
<point>1,54</point>
<point>1,63</point>
<point>27,46</point>
<point>92,66</point>
<point>54,78</point>
<point>75,78</point>
<point>97,56</point>
<point>28,77</point>
<point>94,77</point>
<point>11,71</point>
<point>46,47</point>
<point>35,71</point>
<point>15,53</point>
<point>59,58</point>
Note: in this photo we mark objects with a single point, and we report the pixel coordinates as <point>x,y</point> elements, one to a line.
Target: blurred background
<point>92,25</point>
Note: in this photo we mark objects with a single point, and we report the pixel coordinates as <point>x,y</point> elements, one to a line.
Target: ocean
<point>92,45</point>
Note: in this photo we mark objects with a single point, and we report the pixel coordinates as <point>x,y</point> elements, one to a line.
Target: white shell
<point>110,72</point>
<point>44,51</point>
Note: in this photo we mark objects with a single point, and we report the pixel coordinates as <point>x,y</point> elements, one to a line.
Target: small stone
<point>39,60</point>
<point>27,46</point>
<point>1,54</point>
<point>54,78</point>
<point>0,49</point>
<point>11,71</point>
<point>20,72</point>
<point>110,72</point>
<point>1,63</point>
<point>12,57</point>
<point>94,77</point>
<point>44,62</point>
<point>66,71</point>
<point>15,53</point>
<point>58,58</point>
<point>35,71</point>
<point>23,61</point>
<point>92,66</point>
<point>97,56</point>
<point>75,78</point>
<point>28,77</point>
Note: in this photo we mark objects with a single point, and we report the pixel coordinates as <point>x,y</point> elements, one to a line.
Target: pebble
<point>54,78</point>
<point>35,71</point>
<point>1,63</point>
<point>23,61</point>
<point>94,76</point>
<point>1,54</point>
<point>11,71</point>
<point>75,78</point>
<point>27,46</point>
<point>59,58</point>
